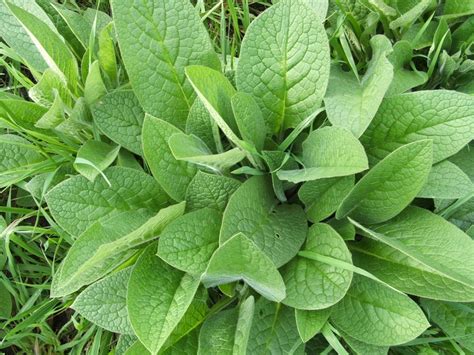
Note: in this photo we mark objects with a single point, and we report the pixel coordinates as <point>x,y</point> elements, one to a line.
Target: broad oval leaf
<point>384,316</point>
<point>104,303</point>
<point>310,323</point>
<point>120,117</point>
<point>158,296</point>
<point>284,63</point>
<point>446,117</point>
<point>239,258</point>
<point>77,203</point>
<point>278,230</point>
<point>420,253</point>
<point>390,185</point>
<point>312,284</point>
<point>156,53</point>
<point>189,242</point>
<point>173,175</point>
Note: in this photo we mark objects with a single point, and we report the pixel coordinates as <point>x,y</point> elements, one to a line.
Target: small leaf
<point>93,157</point>
<point>310,323</point>
<point>240,259</point>
<point>94,87</point>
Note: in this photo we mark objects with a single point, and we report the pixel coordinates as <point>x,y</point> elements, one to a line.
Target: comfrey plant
<point>287,201</point>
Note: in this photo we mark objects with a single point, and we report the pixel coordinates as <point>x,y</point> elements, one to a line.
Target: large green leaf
<point>239,258</point>
<point>375,314</point>
<point>227,332</point>
<point>55,53</point>
<point>457,8</point>
<point>189,242</point>
<point>455,319</point>
<point>77,203</point>
<point>422,254</point>
<point>352,104</point>
<point>284,63</point>
<point>273,330</point>
<point>323,197</point>
<point>213,191</point>
<point>389,186</point>
<point>120,117</point>
<point>173,175</point>
<point>328,152</point>
<point>279,230</point>
<point>446,117</point>
<point>158,39</point>
<point>104,303</point>
<point>157,298</point>
<point>312,284</point>
<point>106,244</point>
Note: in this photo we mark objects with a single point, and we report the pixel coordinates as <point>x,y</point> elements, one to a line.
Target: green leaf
<point>278,230</point>
<point>94,87</point>
<point>311,284</point>
<point>125,341</point>
<point>361,348</point>
<point>249,119</point>
<point>239,258</point>
<point>446,117</point>
<point>455,319</point>
<point>456,8</point>
<point>153,314</point>
<point>389,186</point>
<point>173,175</point>
<point>201,124</point>
<point>45,90</point>
<point>378,315</point>
<point>215,92</point>
<point>323,197</point>
<point>107,244</point>
<point>273,330</point>
<point>213,191</point>
<point>93,157</point>
<point>446,181</point>
<point>310,323</point>
<point>404,79</point>
<point>227,332</point>
<point>106,53</point>
<point>120,117</point>
<point>189,242</point>
<point>23,113</point>
<point>422,254</point>
<point>13,33</point>
<point>17,157</point>
<point>284,63</point>
<point>76,23</point>
<point>6,304</point>
<point>77,203</point>
<point>407,18</point>
<point>193,150</point>
<point>104,303</point>
<point>55,53</point>
<point>352,104</point>
<point>328,152</point>
<point>155,53</point>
